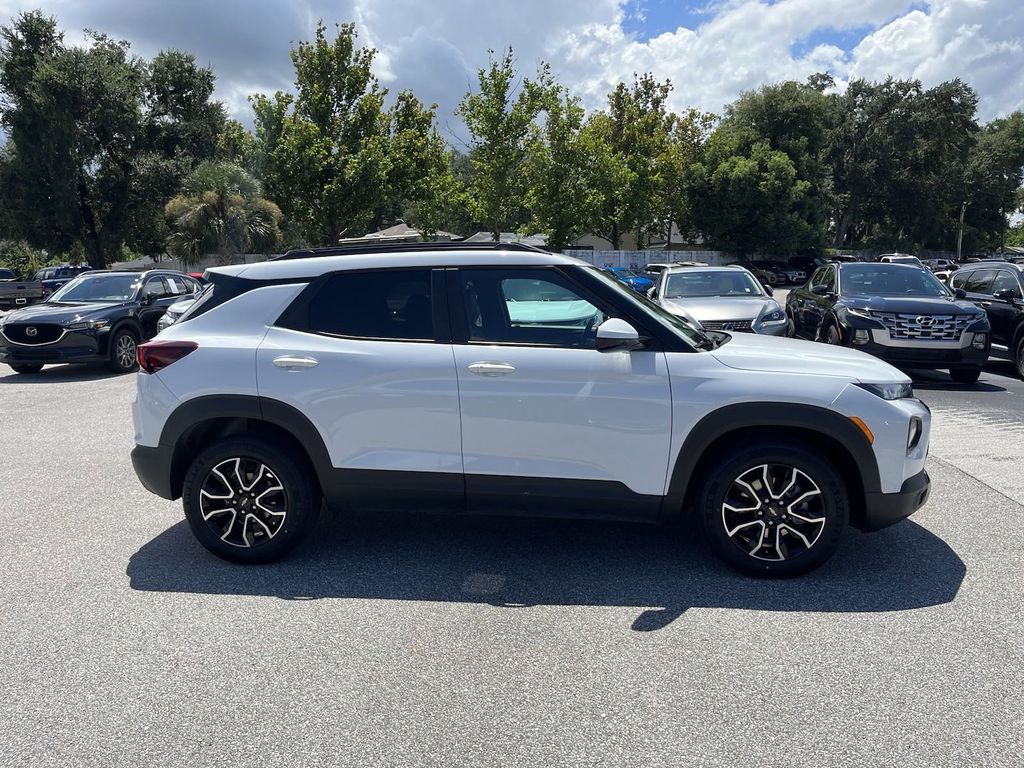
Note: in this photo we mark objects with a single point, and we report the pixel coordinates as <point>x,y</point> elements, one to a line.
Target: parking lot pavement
<point>454,641</point>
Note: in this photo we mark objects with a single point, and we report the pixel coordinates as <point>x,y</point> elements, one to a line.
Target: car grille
<point>741,326</point>
<point>923,327</point>
<point>29,333</point>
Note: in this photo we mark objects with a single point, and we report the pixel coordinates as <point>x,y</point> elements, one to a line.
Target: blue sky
<point>711,50</point>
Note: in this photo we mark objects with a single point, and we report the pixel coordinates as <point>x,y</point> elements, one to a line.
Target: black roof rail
<point>371,248</point>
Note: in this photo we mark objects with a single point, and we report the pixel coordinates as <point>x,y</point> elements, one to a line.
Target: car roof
<point>314,266</point>
<point>979,265</point>
<point>684,268</point>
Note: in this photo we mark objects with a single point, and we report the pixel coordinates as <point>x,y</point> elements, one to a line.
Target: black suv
<point>901,313</point>
<point>99,317</point>
<point>998,289</point>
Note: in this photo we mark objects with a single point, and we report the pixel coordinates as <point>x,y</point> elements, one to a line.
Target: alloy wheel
<point>243,502</point>
<point>125,351</point>
<point>774,512</point>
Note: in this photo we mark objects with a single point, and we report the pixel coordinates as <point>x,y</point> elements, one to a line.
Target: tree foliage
<point>98,139</point>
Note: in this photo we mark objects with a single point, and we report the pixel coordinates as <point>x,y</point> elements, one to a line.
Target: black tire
<point>1018,357</point>
<point>273,530</point>
<point>123,345</point>
<point>965,375</point>
<point>832,335</point>
<point>26,367</point>
<point>813,510</point>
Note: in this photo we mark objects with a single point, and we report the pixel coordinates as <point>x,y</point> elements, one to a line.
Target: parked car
<point>99,317</point>
<point>721,299</point>
<point>762,276</point>
<point>174,313</point>
<point>793,275</point>
<point>53,278</point>
<point>999,291</point>
<point>898,312</point>
<point>776,275</point>
<point>637,282</point>
<point>398,380</point>
<point>900,258</point>
<point>15,294</point>
<point>939,265</point>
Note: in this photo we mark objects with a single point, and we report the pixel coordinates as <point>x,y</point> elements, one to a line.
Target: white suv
<point>511,381</point>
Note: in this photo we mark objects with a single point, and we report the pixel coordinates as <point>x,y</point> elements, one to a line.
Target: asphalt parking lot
<point>434,641</point>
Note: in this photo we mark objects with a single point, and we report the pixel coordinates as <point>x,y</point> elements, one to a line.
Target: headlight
<point>775,316</point>
<point>890,391</point>
<point>86,325</point>
<point>859,313</point>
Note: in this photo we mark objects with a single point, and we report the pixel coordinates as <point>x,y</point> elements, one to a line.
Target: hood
<point>722,307</point>
<point>776,354</point>
<point>921,305</point>
<point>60,313</point>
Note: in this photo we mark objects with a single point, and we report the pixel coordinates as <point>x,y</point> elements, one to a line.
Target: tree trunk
<point>615,236</point>
<point>842,226</point>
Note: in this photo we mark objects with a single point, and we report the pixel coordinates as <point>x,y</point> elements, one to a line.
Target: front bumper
<point>73,347</point>
<point>153,468</point>
<point>924,356</point>
<point>883,509</point>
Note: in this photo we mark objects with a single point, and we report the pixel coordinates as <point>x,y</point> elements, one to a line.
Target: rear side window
<point>980,281</point>
<point>959,280</point>
<point>383,304</point>
<point>1006,281</point>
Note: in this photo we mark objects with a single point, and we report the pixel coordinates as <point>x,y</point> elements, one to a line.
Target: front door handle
<point>485,368</point>
<point>295,361</point>
<point>985,303</point>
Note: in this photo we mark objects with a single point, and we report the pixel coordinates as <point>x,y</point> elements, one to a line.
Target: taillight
<point>154,355</point>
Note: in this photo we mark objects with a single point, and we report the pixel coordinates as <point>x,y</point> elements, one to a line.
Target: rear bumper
<point>153,468</point>
<point>884,509</point>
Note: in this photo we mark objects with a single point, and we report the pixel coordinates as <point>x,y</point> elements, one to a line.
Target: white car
<point>407,379</point>
<point>721,299</point>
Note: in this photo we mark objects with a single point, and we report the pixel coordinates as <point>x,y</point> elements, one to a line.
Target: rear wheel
<point>1018,358</point>
<point>26,367</point>
<point>247,501</point>
<point>774,510</point>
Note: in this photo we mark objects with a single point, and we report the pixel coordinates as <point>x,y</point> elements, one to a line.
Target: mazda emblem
<point>31,331</point>
<point>924,321</point>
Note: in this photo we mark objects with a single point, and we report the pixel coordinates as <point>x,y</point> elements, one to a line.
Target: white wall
<point>639,259</point>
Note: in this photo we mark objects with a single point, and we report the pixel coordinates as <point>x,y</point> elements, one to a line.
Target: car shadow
<point>516,563</point>
<point>941,381</point>
<point>58,374</point>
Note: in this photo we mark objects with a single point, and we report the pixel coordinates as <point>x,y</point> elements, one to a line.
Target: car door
<point>366,357</point>
<point>820,303</point>
<point>548,421</point>
<point>1003,310</point>
<point>797,302</point>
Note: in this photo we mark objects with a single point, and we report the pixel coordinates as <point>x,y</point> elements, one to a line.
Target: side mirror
<point>1006,294</point>
<point>652,293</point>
<point>615,335</point>
<point>960,293</point>
<point>820,290</point>
<point>769,288</point>
<point>147,299</point>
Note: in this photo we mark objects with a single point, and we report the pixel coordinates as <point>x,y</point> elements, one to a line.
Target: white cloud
<point>435,47</point>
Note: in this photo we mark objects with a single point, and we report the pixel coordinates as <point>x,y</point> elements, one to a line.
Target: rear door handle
<point>485,368</point>
<point>986,303</point>
<point>295,361</point>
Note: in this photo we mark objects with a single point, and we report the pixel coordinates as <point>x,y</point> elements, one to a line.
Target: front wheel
<point>774,510</point>
<point>248,501</point>
<point>26,367</point>
<point>123,348</point>
<point>832,336</point>
<point>965,375</point>
<point>1018,358</point>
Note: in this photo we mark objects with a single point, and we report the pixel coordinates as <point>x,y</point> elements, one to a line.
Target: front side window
<point>1006,281</point>
<point>529,307</point>
<point>959,280</point>
<point>980,281</point>
<point>383,304</point>
<point>828,278</point>
<point>695,283</point>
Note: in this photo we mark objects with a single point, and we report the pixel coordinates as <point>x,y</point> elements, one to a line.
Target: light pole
<point>960,234</point>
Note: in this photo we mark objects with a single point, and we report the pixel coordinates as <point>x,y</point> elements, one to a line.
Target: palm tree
<point>220,211</point>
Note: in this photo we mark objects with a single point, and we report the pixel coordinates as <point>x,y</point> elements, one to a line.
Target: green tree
<point>19,256</point>
<point>220,211</point>
<point>237,145</point>
<point>499,117</point>
<point>681,152</point>
<point>97,139</point>
<point>992,180</point>
<point>560,195</point>
<point>326,148</point>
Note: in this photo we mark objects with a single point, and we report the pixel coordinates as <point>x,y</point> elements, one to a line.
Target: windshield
<point>623,272</point>
<point>693,283</point>
<point>98,288</point>
<point>693,335</point>
<point>889,280</point>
